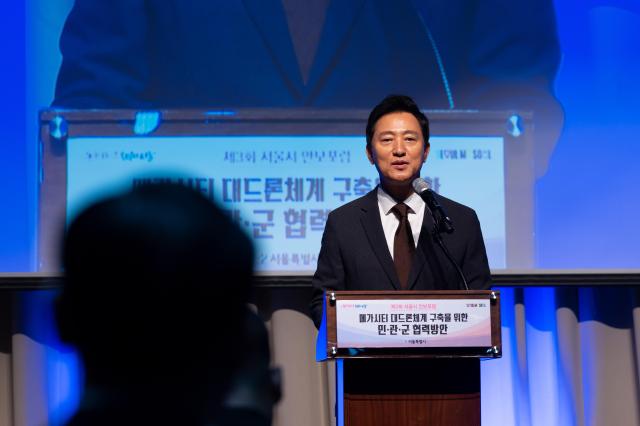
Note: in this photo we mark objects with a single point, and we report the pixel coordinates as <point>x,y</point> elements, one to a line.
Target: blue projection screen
<point>281,188</point>
<point>279,173</point>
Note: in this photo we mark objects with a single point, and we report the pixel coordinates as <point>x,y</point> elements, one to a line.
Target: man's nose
<point>399,148</point>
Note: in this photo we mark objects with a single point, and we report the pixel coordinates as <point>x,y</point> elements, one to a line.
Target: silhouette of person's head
<point>156,282</point>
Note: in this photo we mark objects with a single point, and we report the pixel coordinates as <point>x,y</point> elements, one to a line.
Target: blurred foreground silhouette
<point>157,282</point>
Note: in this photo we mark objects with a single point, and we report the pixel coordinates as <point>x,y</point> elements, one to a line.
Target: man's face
<point>397,149</point>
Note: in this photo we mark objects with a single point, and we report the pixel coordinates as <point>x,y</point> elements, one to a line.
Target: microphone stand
<point>439,227</point>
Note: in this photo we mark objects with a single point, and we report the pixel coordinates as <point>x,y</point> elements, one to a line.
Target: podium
<point>409,357</point>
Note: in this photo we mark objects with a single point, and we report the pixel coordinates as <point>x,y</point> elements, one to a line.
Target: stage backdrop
<point>572,357</point>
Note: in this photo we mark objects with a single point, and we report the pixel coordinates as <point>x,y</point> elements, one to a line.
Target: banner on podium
<point>405,323</point>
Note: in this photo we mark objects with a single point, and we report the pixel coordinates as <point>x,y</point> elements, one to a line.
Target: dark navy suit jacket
<point>355,255</point>
<point>239,53</point>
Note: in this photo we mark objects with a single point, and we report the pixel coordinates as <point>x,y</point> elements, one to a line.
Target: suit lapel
<point>336,33</point>
<point>372,224</point>
<point>406,31</point>
<point>271,24</point>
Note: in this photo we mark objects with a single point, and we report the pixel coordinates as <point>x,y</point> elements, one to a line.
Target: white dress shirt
<point>389,220</point>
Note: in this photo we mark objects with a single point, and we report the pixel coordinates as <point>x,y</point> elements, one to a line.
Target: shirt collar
<point>387,202</point>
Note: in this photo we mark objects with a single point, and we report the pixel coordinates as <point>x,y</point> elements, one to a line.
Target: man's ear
<point>426,153</point>
<point>369,154</point>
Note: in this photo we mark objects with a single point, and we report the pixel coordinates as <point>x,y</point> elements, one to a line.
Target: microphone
<point>443,221</point>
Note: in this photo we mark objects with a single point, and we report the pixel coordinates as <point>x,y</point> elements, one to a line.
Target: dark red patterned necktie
<point>403,245</point>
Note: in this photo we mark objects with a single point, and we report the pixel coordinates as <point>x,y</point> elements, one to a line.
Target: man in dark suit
<point>370,243</point>
<point>458,54</point>
<point>320,53</point>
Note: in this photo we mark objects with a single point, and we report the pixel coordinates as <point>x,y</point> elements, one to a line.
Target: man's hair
<point>397,103</point>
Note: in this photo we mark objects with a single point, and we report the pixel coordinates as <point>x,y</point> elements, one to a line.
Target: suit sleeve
<point>514,66</point>
<point>475,264</point>
<point>511,55</point>
<point>330,272</point>
<point>104,46</point>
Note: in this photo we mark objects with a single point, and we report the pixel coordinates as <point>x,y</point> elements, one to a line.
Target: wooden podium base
<point>403,392</point>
